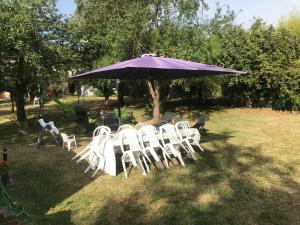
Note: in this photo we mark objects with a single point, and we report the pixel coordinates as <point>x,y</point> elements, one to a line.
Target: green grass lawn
<point>249,174</point>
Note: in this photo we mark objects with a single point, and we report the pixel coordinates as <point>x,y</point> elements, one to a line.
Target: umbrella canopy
<point>152,67</point>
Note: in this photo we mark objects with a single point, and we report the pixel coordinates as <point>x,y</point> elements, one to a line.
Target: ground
<point>249,174</point>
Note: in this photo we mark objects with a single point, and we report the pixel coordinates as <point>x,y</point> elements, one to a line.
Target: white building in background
<point>72,89</point>
<point>86,90</point>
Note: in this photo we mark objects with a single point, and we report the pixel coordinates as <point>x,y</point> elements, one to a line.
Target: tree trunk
<point>156,110</point>
<point>153,87</point>
<point>120,94</point>
<point>21,116</point>
<point>12,102</point>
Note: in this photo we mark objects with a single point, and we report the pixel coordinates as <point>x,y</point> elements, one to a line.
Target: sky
<point>270,10</point>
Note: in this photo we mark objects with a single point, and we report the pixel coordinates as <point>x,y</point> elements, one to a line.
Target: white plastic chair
<point>124,126</point>
<point>66,139</point>
<point>96,158</point>
<point>191,135</point>
<point>90,148</point>
<point>140,125</point>
<point>83,152</point>
<point>135,153</point>
<point>149,141</point>
<point>42,122</point>
<point>168,133</point>
<point>36,101</point>
<point>48,127</point>
<point>101,130</point>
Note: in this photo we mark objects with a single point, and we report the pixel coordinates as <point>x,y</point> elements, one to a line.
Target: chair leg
<point>192,151</point>
<point>156,158</point>
<point>83,157</point>
<point>147,167</point>
<point>124,168</point>
<point>69,146</point>
<point>98,167</point>
<point>199,146</point>
<point>89,167</point>
<point>75,143</point>
<point>82,152</point>
<point>185,148</point>
<point>179,156</point>
<point>166,160</point>
<point>146,156</point>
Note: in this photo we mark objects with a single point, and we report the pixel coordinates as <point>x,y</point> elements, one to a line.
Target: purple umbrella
<point>152,68</point>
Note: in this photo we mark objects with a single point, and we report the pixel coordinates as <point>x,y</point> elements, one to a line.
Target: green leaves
<point>270,55</point>
<point>30,34</point>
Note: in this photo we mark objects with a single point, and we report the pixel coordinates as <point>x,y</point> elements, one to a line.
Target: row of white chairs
<point>142,141</point>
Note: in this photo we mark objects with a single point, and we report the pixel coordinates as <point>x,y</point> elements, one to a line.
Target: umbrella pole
<point>153,86</point>
<point>78,91</point>
<point>118,97</point>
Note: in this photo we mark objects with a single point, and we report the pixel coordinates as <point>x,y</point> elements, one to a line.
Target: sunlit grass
<point>249,174</point>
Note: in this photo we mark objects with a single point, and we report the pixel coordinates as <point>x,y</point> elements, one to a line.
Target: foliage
<point>126,115</point>
<point>105,87</point>
<point>31,39</point>
<point>110,34</point>
<point>270,56</point>
<point>291,22</point>
<point>92,120</point>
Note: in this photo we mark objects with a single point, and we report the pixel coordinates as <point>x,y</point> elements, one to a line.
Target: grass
<point>249,174</point>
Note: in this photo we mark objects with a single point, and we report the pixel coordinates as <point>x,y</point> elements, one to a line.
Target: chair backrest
<point>182,129</point>
<point>168,116</point>
<point>95,143</point>
<point>201,121</point>
<point>148,134</point>
<point>42,122</point>
<point>168,132</point>
<point>140,124</point>
<point>109,114</point>
<point>129,137</point>
<point>53,128</point>
<point>124,126</point>
<point>105,130</point>
<point>101,141</point>
<point>107,145</point>
<point>64,136</point>
<point>36,101</point>
<point>111,120</point>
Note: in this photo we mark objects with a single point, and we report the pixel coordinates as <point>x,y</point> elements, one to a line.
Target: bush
<point>126,115</point>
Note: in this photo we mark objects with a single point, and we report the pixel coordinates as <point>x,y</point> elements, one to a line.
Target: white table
<point>112,147</point>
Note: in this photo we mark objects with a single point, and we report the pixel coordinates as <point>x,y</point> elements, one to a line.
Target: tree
<point>129,29</point>
<point>270,56</point>
<point>291,22</point>
<point>30,35</point>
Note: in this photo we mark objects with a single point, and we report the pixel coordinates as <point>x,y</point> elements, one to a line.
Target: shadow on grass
<point>209,137</point>
<point>43,179</point>
<point>220,188</point>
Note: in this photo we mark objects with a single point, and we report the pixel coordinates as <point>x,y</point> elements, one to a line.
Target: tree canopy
<point>31,40</point>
